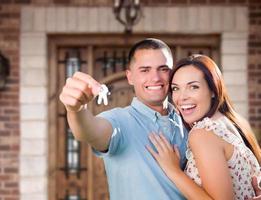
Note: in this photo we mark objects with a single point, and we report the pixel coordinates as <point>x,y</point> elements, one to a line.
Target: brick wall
<point>9,110</point>
<point>254,68</point>
<point>9,99</point>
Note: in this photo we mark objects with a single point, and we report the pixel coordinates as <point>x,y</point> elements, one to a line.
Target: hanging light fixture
<point>4,70</point>
<point>127,12</point>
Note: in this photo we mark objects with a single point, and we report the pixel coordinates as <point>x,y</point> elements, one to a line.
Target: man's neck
<point>162,111</point>
<point>159,108</point>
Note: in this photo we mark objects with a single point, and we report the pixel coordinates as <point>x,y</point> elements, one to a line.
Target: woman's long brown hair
<point>220,101</point>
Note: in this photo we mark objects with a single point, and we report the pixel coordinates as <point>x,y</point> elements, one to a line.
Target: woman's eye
<point>173,88</point>
<point>193,87</point>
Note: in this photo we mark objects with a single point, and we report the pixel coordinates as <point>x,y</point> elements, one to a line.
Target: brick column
<point>254,67</point>
<point>9,105</point>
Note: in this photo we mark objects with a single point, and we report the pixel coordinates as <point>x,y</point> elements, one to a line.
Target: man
<point>120,135</point>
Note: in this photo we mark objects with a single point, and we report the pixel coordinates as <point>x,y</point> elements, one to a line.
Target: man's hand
<point>256,188</point>
<point>79,89</point>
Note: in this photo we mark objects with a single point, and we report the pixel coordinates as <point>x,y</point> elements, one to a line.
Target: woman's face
<point>190,93</point>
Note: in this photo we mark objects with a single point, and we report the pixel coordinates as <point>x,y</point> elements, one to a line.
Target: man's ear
<point>129,76</point>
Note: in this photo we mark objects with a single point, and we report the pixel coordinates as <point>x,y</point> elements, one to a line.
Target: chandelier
<point>127,12</point>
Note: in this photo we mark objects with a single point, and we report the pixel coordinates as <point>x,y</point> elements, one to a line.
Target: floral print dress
<point>242,165</point>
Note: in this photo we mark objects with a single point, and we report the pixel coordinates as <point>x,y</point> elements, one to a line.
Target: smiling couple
<point>198,149</point>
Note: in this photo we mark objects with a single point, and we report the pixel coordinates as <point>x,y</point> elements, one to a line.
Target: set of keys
<point>103,95</point>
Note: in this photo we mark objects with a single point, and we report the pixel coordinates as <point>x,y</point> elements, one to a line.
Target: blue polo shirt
<point>132,172</point>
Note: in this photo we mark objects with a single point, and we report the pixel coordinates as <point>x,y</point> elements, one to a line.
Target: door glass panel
<point>71,180</point>
<point>109,60</point>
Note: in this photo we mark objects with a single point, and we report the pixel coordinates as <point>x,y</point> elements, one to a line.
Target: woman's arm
<point>209,153</point>
<point>208,161</point>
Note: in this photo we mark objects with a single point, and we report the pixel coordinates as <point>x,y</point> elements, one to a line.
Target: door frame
<point>56,41</point>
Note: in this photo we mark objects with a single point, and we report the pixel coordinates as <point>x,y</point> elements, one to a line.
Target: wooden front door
<point>74,173</point>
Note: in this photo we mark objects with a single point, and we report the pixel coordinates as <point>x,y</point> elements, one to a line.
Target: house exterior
<point>46,40</point>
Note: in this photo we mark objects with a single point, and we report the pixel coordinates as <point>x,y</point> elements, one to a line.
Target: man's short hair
<point>148,43</point>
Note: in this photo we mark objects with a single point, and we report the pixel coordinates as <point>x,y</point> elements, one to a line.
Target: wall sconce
<point>4,70</point>
<point>127,12</point>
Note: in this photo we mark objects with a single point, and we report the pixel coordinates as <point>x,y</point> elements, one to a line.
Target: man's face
<point>149,74</point>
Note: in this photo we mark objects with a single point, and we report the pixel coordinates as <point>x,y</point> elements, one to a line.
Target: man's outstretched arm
<point>79,90</point>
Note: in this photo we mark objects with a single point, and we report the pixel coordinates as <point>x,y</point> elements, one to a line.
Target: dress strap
<point>221,128</point>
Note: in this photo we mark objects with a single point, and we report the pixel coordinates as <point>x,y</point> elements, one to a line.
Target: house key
<point>102,96</point>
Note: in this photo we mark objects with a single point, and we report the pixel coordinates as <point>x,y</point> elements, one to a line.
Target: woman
<point>222,152</point>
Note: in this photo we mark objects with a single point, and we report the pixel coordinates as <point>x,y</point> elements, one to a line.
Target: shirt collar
<point>152,114</point>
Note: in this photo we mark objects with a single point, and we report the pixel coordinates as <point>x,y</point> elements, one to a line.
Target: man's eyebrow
<point>159,67</point>
<point>162,66</point>
<point>144,67</point>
